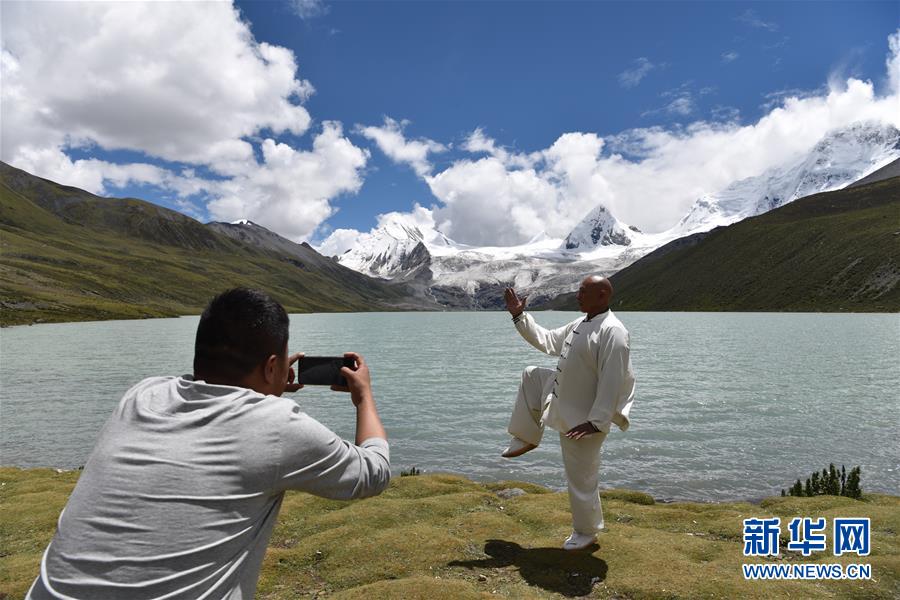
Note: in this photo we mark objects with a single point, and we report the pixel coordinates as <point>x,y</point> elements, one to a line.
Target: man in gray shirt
<point>180,494</point>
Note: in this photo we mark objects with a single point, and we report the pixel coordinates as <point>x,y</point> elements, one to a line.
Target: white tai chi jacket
<point>594,379</point>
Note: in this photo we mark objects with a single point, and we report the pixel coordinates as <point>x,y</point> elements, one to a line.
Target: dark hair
<point>239,330</point>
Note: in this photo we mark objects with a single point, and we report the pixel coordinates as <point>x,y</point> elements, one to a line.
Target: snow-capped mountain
<point>598,228</point>
<point>462,276</point>
<point>394,249</point>
<point>458,275</point>
<point>840,158</point>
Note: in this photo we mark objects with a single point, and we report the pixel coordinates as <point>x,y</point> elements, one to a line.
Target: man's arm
<point>615,382</point>
<point>549,341</point>
<point>317,461</point>
<point>359,384</point>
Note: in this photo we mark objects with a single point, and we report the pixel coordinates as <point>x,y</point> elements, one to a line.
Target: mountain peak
<point>598,228</point>
<point>397,228</point>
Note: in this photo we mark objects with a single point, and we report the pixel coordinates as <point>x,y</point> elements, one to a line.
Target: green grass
<point>444,536</point>
<point>830,252</point>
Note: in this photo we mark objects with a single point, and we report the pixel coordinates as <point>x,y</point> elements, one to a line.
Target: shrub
<point>830,482</point>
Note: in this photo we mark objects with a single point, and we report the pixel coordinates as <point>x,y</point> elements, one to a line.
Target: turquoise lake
<point>728,405</point>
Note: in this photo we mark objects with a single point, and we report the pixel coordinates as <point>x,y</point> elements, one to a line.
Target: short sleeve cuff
<point>375,442</point>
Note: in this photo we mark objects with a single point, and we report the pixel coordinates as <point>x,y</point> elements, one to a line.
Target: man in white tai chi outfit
<point>591,387</point>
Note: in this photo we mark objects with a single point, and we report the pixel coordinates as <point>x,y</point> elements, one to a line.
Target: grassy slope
<point>837,251</point>
<point>94,263</point>
<point>443,536</point>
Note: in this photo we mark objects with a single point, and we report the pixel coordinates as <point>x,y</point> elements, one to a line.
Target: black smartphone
<point>323,370</point>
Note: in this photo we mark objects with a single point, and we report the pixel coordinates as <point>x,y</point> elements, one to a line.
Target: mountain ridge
<point>61,246</point>
<point>468,277</point>
<point>834,251</point>
<point>69,255</point>
<point>888,171</point>
<point>840,158</point>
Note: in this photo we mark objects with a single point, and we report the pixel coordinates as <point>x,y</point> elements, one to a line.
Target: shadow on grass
<point>553,569</point>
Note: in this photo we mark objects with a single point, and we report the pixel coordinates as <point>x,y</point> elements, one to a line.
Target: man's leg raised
<point>582,463</point>
<point>525,422</point>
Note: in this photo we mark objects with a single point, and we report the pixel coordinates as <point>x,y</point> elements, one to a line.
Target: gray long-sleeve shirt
<point>180,494</point>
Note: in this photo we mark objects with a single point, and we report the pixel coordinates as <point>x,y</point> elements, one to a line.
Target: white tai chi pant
<point>581,458</point>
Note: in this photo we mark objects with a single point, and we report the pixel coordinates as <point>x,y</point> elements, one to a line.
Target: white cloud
<point>390,139</point>
<point>96,175</point>
<point>308,9</point>
<point>631,77</point>
<point>339,242</point>
<point>477,142</point>
<point>679,101</point>
<point>677,166</point>
<point>181,81</point>
<point>188,83</point>
<point>725,114</point>
<point>184,82</point>
<point>289,191</point>
<point>778,97</point>
<point>486,203</point>
<point>750,18</point>
<point>507,197</point>
<point>419,217</point>
<point>683,105</point>
<point>730,56</point>
<point>893,63</point>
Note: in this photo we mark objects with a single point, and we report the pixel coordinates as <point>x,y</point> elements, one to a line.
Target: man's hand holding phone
<point>291,386</point>
<point>348,373</point>
<point>368,424</point>
<point>359,383</point>
<point>325,371</point>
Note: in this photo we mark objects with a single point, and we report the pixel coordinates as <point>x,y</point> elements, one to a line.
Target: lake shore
<point>445,536</point>
<point>12,317</point>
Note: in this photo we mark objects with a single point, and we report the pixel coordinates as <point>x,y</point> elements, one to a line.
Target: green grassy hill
<point>67,255</point>
<point>830,252</point>
<point>444,537</point>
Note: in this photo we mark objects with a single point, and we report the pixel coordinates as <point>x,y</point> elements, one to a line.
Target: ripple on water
<point>728,405</point>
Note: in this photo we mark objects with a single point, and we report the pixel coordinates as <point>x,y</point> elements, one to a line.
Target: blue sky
<point>641,80</point>
<point>528,71</point>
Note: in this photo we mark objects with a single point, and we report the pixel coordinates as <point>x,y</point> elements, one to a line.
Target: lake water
<point>728,405</point>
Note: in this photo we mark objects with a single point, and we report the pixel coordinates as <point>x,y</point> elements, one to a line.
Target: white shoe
<point>517,447</point>
<point>578,541</point>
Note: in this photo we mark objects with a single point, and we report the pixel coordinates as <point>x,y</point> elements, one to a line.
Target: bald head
<point>594,295</point>
<point>598,285</point>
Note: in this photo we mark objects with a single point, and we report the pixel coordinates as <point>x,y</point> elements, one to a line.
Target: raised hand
<point>514,305</point>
